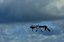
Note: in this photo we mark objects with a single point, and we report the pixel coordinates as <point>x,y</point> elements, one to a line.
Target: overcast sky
<point>16,16</point>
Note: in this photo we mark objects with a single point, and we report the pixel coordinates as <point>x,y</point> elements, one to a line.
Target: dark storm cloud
<point>28,11</point>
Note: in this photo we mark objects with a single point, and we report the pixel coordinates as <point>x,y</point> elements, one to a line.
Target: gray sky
<point>12,11</point>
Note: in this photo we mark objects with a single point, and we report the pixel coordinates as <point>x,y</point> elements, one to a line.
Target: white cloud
<point>56,7</point>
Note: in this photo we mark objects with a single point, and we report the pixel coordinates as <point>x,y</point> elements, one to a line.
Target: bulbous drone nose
<point>30,26</point>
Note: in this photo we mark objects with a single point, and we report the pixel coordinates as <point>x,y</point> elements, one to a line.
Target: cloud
<point>56,29</point>
<point>20,35</point>
<point>46,32</point>
<point>12,11</point>
<point>59,25</point>
<point>31,11</point>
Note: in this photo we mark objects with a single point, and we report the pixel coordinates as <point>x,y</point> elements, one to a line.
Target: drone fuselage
<point>37,26</point>
<point>42,26</point>
<point>32,27</point>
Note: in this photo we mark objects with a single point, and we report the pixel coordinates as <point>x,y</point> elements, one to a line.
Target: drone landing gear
<point>36,30</point>
<point>41,31</point>
<point>32,29</point>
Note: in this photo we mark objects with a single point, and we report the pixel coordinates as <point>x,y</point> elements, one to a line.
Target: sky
<point>16,16</point>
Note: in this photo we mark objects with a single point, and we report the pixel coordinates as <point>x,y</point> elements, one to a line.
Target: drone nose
<point>30,26</point>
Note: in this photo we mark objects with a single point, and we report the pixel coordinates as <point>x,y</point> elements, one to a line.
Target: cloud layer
<point>9,34</point>
<point>30,10</point>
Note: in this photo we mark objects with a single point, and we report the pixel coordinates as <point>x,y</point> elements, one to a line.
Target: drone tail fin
<point>48,29</point>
